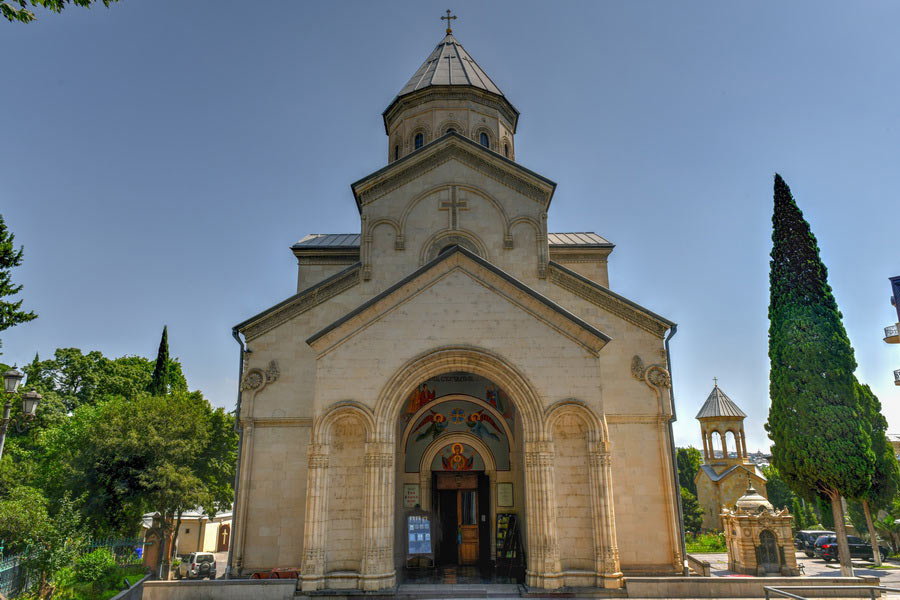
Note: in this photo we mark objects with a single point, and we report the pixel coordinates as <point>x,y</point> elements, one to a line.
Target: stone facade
<point>445,336</point>
<point>759,538</point>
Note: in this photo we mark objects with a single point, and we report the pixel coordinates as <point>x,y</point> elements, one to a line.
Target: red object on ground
<point>279,573</point>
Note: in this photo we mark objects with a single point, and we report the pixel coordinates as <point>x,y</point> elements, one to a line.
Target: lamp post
<point>30,400</point>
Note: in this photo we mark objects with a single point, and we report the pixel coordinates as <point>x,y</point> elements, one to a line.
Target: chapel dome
<point>752,501</point>
<point>449,64</point>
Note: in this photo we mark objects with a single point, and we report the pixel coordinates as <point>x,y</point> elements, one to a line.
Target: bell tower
<point>719,417</point>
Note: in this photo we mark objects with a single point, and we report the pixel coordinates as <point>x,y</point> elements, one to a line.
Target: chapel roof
<point>449,64</point>
<point>580,239</point>
<point>719,405</point>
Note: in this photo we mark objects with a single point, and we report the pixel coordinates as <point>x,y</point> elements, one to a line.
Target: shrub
<point>713,541</point>
<point>95,567</point>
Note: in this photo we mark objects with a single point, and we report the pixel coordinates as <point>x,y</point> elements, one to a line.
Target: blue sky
<point>157,159</point>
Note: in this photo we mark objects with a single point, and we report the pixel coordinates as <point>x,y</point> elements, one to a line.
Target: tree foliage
<point>17,10</point>
<point>11,313</point>
<point>778,491</point>
<point>886,477</point>
<point>820,445</point>
<point>688,460</point>
<point>159,380</point>
<point>691,511</point>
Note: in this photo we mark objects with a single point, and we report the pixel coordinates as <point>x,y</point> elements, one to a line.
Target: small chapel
<point>453,386</point>
<point>726,471</point>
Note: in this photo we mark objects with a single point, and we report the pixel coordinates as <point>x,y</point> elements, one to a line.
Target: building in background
<point>727,469</point>
<point>892,332</point>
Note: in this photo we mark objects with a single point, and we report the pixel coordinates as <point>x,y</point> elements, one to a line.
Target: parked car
<point>827,548</point>
<point>805,540</point>
<point>197,565</point>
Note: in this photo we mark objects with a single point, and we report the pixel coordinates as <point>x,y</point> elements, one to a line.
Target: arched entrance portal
<point>459,458</point>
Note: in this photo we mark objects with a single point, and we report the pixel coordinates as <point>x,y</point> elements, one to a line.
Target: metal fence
<point>13,578</point>
<point>127,551</point>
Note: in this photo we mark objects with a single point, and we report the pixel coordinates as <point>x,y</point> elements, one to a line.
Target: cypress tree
<point>886,478</point>
<point>159,382</point>
<point>820,444</point>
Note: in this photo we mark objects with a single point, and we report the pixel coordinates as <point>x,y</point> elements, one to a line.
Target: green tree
<point>820,445</point>
<point>799,515</point>
<point>11,313</point>
<point>23,513</point>
<point>693,512</point>
<point>159,381</point>
<point>17,10</point>
<point>777,490</point>
<point>689,460</point>
<point>55,546</point>
<point>886,478</point>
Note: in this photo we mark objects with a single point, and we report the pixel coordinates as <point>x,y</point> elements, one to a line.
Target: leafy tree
<point>886,478</point>
<point>693,512</point>
<point>159,381</point>
<point>23,513</point>
<point>826,515</point>
<point>72,378</point>
<point>809,516</point>
<point>10,312</point>
<point>55,546</point>
<point>17,10</point>
<point>800,521</point>
<point>820,445</point>
<point>777,491</point>
<point>689,460</point>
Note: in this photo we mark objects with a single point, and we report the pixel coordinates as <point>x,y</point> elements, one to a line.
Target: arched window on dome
<point>506,150</point>
<point>420,140</point>
<point>485,140</point>
<point>396,152</point>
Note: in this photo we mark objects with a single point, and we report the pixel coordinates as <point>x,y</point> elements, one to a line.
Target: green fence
<point>13,577</point>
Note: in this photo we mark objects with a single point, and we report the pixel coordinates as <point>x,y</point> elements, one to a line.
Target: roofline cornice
<point>453,145</point>
<point>450,92</point>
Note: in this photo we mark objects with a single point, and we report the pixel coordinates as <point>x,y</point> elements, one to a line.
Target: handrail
<point>701,567</point>
<point>780,590</point>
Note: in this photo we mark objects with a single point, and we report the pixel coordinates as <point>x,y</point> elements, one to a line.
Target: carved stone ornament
<point>256,379</point>
<point>656,376</point>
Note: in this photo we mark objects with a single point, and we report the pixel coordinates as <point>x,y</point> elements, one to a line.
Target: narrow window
<point>506,150</point>
<point>396,152</point>
<point>485,141</point>
<point>420,140</point>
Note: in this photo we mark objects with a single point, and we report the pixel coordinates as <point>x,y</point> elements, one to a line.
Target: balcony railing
<point>897,377</point>
<point>891,335</point>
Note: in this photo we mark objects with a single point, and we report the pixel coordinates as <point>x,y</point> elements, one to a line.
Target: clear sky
<point>157,159</point>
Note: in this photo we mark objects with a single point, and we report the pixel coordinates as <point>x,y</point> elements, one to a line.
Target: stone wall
<point>221,589</point>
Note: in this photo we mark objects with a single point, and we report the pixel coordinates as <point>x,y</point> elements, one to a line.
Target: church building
<point>726,472</point>
<point>452,384</point>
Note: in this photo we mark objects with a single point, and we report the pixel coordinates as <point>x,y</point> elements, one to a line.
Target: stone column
<point>377,571</point>
<point>543,549</point>
<point>724,439</point>
<point>743,444</point>
<point>609,574</point>
<point>705,445</point>
<point>312,572</point>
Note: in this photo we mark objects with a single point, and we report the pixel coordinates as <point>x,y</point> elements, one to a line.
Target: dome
<point>752,501</point>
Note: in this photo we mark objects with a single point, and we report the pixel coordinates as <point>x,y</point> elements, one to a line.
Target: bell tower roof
<point>449,64</point>
<point>719,405</point>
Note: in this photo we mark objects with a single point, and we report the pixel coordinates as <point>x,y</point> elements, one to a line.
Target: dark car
<point>827,548</point>
<point>805,540</point>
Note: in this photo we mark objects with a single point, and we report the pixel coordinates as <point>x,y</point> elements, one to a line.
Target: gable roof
<point>719,405</point>
<point>711,473</point>
<point>453,145</point>
<point>589,336</point>
<point>583,239</point>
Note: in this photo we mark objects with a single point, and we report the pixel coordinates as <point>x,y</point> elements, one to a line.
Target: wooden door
<point>224,537</point>
<point>467,520</point>
<point>768,552</point>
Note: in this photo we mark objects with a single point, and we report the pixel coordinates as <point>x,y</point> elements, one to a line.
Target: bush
<point>95,567</point>
<point>713,541</point>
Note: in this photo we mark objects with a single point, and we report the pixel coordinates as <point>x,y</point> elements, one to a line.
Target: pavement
<point>889,574</point>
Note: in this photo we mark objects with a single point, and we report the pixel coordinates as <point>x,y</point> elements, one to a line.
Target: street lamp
<point>30,400</point>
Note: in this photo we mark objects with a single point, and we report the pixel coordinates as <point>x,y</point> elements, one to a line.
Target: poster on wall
<point>410,495</point>
<point>505,494</point>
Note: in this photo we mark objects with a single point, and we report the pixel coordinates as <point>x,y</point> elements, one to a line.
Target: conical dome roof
<point>449,64</point>
<point>719,405</point>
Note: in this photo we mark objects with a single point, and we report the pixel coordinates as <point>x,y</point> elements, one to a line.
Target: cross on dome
<point>448,18</point>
